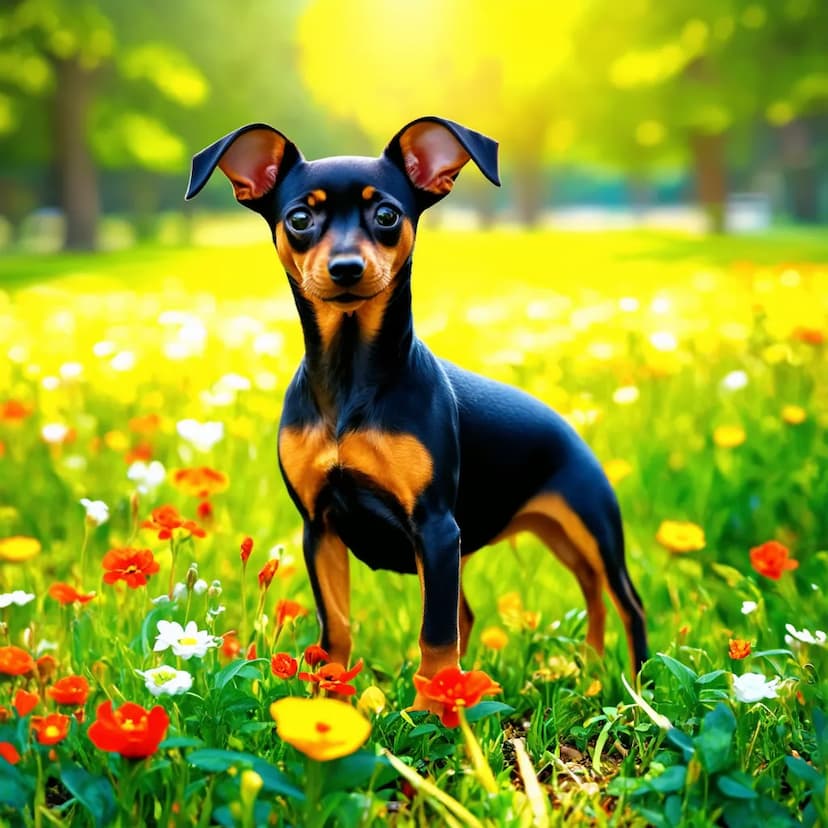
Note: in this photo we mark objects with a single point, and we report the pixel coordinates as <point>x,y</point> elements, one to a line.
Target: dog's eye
<point>300,220</point>
<point>386,216</point>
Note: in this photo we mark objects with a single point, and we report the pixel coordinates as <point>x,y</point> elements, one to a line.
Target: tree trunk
<point>77,177</point>
<point>529,190</point>
<point>711,178</point>
<point>801,174</point>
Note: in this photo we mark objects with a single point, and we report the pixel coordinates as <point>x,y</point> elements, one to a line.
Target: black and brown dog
<point>409,461</point>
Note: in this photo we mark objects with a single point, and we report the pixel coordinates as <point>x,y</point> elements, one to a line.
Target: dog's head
<point>344,226</point>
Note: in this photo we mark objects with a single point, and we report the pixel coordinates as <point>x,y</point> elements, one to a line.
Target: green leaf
<point>422,730</point>
<point>807,773</point>
<point>214,760</point>
<point>714,742</point>
<point>735,789</point>
<point>486,709</point>
<point>707,678</point>
<point>682,741</point>
<point>353,771</point>
<point>14,787</point>
<point>241,668</point>
<point>180,742</point>
<point>686,677</point>
<point>671,780</point>
<point>93,792</point>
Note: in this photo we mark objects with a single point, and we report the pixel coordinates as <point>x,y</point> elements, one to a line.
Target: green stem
<point>173,556</point>
<point>243,625</point>
<point>84,545</point>
<point>313,794</point>
<point>475,753</point>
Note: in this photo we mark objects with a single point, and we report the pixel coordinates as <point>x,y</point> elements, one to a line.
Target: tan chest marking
<point>398,463</point>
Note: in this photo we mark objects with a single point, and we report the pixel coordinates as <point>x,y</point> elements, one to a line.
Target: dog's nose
<point>346,269</point>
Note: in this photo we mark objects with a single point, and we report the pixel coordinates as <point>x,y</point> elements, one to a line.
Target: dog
<point>405,459</point>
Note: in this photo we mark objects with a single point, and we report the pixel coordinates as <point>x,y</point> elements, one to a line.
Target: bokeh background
<point>704,115</point>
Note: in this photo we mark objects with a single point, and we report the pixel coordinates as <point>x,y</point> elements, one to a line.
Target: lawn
<point>696,369</point>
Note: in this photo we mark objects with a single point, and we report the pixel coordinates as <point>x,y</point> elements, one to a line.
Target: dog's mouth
<point>349,298</point>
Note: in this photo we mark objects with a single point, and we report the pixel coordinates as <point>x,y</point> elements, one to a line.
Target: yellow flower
<point>18,548</point>
<point>729,436</point>
<point>372,701</point>
<point>793,414</point>
<point>494,638</point>
<point>509,604</point>
<point>680,536</point>
<point>323,729</point>
<point>616,470</point>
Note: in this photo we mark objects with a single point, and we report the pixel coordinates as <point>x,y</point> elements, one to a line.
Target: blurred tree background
<point>103,102</point>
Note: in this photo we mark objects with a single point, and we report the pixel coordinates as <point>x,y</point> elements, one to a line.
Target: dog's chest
<point>397,463</point>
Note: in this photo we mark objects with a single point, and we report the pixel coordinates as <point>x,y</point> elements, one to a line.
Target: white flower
<point>166,681</point>
<point>97,512</point>
<point>753,687</point>
<point>148,477</point>
<point>200,586</point>
<point>215,612</point>
<point>748,607</point>
<point>202,435</point>
<point>625,395</point>
<point>18,598</point>
<point>803,636</point>
<point>185,642</point>
<point>735,381</point>
<point>54,433</point>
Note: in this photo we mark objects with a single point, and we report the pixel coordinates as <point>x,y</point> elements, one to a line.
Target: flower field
<point>158,658</point>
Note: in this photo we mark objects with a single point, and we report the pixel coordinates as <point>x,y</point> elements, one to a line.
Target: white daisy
<point>185,642</point>
<point>753,687</point>
<point>147,476</point>
<point>97,512</point>
<point>201,435</point>
<point>18,598</point>
<point>166,681</point>
<point>803,636</point>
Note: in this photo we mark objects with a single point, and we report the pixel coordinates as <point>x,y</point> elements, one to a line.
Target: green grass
<point>552,312</point>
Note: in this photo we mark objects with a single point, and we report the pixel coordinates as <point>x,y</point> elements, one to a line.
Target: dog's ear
<point>432,151</point>
<point>253,158</point>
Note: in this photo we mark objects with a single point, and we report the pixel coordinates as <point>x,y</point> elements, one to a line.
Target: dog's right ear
<point>253,158</point>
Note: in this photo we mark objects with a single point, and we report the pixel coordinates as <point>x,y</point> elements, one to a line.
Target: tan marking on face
<point>368,193</point>
<point>316,197</point>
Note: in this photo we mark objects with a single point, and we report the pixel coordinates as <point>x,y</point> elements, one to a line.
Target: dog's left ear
<point>252,157</point>
<point>432,151</point>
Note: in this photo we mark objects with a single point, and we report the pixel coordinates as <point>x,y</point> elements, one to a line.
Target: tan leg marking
<point>333,575</point>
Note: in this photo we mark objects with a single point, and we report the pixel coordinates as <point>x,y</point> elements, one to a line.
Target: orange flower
<point>131,565</point>
<point>287,610</point>
<point>283,666</point>
<point>267,572</point>
<point>314,654</point>
<point>140,453</point>
<point>738,649</point>
<point>14,411</point>
<point>771,560</point>
<point>9,752</point>
<point>50,729</point>
<point>201,482</point>
<point>455,689</point>
<point>130,730</point>
<point>146,424</point>
<point>246,548</point>
<point>230,645</point>
<point>24,702</point>
<point>810,336</point>
<point>334,678</point>
<point>204,510</point>
<point>252,652</point>
<point>67,594</point>
<point>165,520</point>
<point>70,690</point>
<point>15,662</point>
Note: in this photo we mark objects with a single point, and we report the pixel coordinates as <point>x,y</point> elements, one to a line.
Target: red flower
<point>205,510</point>
<point>9,752</point>
<point>200,482</point>
<point>287,610</point>
<point>67,594</point>
<point>13,411</point>
<point>131,565</point>
<point>771,560</point>
<point>334,678</point>
<point>130,730</point>
<point>738,649</point>
<point>284,666</point>
<point>810,336</point>
<point>267,572</point>
<point>246,549</point>
<point>314,655</point>
<point>50,729</point>
<point>24,702</point>
<point>455,689</point>
<point>230,645</point>
<point>70,690</point>
<point>15,662</point>
<point>142,452</point>
<point>165,520</point>
<point>251,655</point>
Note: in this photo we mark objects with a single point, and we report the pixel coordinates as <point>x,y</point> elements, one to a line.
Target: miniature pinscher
<point>407,460</point>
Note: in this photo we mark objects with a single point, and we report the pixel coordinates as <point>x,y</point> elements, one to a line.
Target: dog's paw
<point>422,702</point>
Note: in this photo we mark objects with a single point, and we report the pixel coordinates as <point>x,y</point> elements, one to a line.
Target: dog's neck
<point>349,357</point>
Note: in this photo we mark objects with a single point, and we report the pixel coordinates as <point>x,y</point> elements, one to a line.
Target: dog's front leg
<point>326,558</point>
<point>438,565</point>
